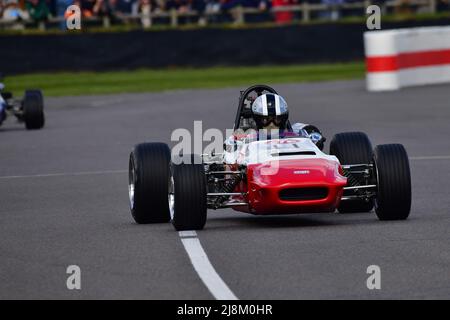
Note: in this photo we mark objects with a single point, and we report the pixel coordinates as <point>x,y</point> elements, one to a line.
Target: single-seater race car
<point>271,176</point>
<point>29,110</point>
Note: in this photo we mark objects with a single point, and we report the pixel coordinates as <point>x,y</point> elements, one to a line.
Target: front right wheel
<point>188,196</point>
<point>148,182</point>
<point>393,201</point>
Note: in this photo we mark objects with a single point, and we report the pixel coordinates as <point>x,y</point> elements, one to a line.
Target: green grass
<point>148,80</point>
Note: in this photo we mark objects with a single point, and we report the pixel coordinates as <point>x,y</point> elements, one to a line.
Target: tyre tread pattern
<point>190,196</point>
<point>394,182</point>
<point>151,161</point>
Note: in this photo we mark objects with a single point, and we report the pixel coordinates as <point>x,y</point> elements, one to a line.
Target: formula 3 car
<point>269,177</point>
<point>29,109</point>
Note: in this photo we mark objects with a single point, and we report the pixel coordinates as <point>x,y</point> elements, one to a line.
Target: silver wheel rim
<point>131,186</point>
<point>171,197</point>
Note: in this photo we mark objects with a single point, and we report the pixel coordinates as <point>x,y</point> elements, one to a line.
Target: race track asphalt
<point>63,201</point>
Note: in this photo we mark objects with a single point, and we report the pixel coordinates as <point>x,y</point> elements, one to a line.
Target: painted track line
<point>204,268</point>
<point>430,158</point>
<point>88,173</point>
<point>67,174</point>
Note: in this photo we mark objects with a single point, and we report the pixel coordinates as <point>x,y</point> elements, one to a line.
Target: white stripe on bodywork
<point>204,268</point>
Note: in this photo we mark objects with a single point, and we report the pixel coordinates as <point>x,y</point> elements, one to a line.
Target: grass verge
<point>154,80</point>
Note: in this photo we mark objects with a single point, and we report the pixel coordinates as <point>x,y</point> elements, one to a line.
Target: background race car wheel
<point>7,95</point>
<point>353,148</point>
<point>148,182</point>
<point>33,109</point>
<point>393,200</point>
<point>189,193</point>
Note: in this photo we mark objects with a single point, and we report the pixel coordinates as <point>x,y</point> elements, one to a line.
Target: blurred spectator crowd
<point>39,11</point>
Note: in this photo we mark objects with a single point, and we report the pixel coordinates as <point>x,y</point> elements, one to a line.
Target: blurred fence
<point>195,47</point>
<point>304,12</point>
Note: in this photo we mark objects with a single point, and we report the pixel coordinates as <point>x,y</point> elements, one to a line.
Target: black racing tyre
<point>148,177</point>
<point>189,196</point>
<point>7,95</point>
<point>393,200</point>
<point>33,109</point>
<point>353,148</point>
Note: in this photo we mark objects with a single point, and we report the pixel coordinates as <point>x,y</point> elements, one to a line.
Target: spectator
<point>93,8</point>
<point>38,10</point>
<point>283,17</point>
<point>179,5</point>
<point>334,13</point>
<point>230,5</point>
<point>61,7</point>
<point>145,7</point>
<point>443,5</point>
<point>14,14</point>
<point>127,6</point>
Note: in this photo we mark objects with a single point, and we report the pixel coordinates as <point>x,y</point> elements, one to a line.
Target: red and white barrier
<point>407,57</point>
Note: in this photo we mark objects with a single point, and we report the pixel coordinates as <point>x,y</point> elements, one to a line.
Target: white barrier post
<point>407,57</point>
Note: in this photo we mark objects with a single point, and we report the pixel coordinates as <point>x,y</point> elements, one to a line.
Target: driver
<point>270,111</point>
<point>271,114</point>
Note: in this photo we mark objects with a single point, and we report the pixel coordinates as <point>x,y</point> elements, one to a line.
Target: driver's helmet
<point>270,111</point>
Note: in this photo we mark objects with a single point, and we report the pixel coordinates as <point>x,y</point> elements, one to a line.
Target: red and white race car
<point>288,174</point>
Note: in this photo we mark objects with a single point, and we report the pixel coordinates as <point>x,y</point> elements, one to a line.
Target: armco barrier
<point>407,57</point>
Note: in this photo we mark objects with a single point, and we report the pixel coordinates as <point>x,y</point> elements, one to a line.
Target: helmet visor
<point>264,121</point>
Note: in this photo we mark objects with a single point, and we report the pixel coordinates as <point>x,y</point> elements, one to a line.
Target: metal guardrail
<point>305,10</point>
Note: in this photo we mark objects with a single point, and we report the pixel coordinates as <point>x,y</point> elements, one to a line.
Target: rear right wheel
<point>353,148</point>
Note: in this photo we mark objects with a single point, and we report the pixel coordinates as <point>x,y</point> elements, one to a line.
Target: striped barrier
<point>407,57</point>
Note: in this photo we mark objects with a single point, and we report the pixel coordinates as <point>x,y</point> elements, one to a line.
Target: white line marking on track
<point>430,158</point>
<point>204,268</point>
<point>67,174</point>
<point>88,173</point>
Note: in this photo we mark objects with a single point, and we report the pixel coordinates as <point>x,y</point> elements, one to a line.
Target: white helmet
<point>270,108</point>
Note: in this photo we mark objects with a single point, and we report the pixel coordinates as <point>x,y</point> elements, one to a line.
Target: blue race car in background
<point>29,110</point>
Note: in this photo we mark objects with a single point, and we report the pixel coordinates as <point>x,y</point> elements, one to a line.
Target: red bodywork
<point>266,181</point>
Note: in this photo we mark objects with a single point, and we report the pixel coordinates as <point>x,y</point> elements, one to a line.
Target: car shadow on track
<point>291,221</point>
